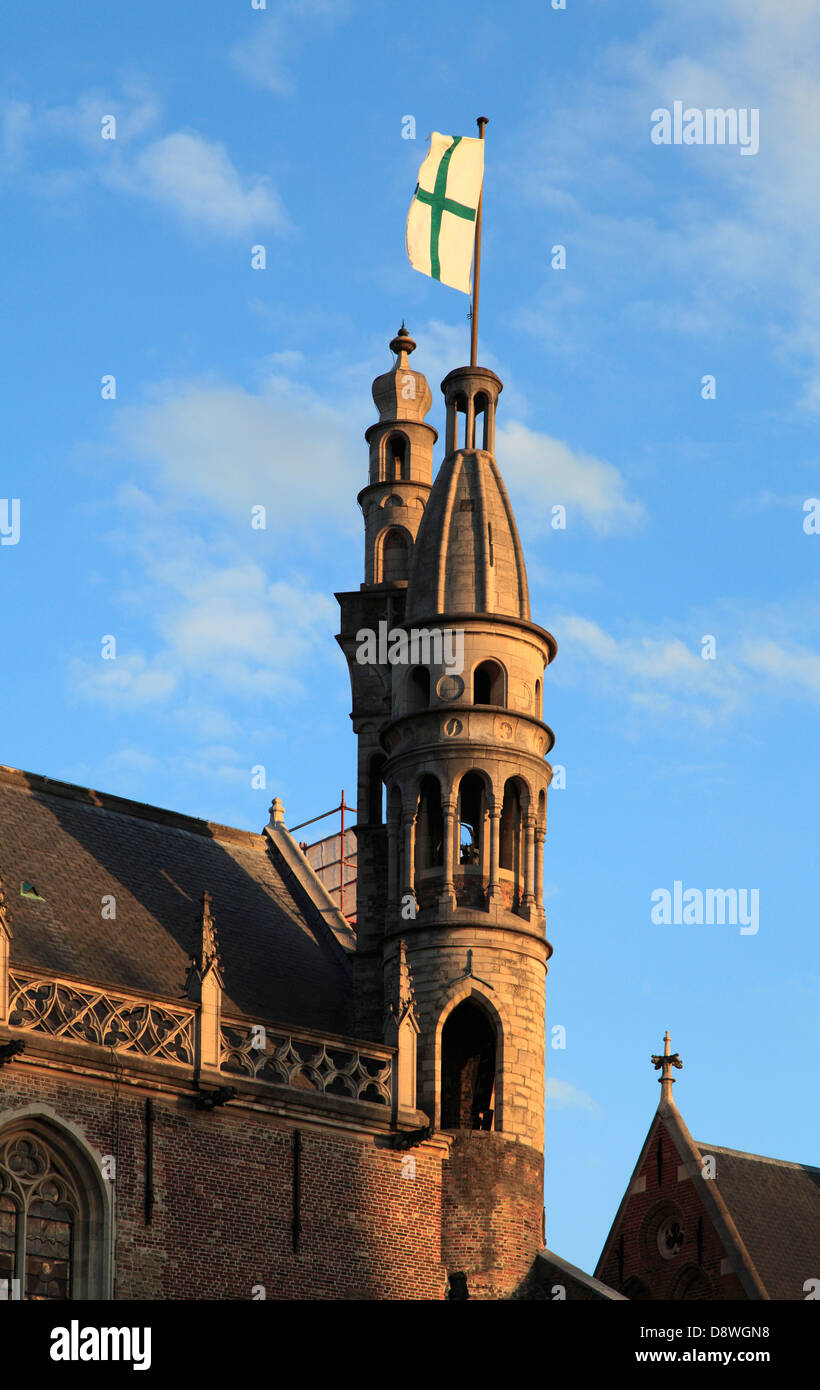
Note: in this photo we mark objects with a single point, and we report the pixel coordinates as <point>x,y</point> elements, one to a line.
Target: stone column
<point>469,426</point>
<point>449,809</point>
<point>527,899</point>
<point>494,813</point>
<point>409,852</point>
<point>540,836</point>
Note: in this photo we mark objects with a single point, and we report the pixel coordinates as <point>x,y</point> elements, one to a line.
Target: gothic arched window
<point>39,1209</point>
<point>468,1054</point>
<point>54,1216</point>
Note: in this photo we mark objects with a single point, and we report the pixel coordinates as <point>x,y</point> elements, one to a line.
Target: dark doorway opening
<point>467,1069</point>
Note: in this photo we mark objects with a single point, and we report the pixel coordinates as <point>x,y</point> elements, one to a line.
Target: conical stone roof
<point>468,556</point>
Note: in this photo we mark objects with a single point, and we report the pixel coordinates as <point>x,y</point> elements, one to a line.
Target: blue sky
<point>238,387</point>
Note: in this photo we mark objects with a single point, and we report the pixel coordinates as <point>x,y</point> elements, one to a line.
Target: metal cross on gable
<point>664,1064</point>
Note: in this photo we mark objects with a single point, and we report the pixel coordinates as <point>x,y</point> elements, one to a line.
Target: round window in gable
<point>670,1238</point>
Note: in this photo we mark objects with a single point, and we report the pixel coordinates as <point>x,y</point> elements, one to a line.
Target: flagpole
<point>481,122</point>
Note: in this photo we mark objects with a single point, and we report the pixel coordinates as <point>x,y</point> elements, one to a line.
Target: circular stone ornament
<point>450,688</point>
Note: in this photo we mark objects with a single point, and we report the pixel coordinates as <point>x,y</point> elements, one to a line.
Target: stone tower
<point>459,724</point>
<point>400,480</point>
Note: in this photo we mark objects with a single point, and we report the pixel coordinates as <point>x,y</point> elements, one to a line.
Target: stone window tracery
<point>39,1209</point>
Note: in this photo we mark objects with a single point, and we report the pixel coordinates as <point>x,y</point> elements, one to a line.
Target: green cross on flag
<point>441,221</point>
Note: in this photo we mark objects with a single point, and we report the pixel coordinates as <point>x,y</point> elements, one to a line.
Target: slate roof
<point>776,1208</point>
<point>280,962</point>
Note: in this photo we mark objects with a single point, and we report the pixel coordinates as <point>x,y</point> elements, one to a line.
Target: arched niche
<point>417,690</point>
<point>489,684</point>
<point>396,466</point>
<point>395,556</point>
<point>469,1054</point>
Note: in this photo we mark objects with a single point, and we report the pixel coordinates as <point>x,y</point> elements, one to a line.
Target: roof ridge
<point>759,1158</point>
<point>124,806</point>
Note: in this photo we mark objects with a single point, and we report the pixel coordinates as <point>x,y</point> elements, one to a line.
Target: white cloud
<point>196,179</point>
<point>127,681</point>
<point>192,177</point>
<point>658,676</point>
<point>250,636</point>
<point>664,677</point>
<point>728,236</point>
<point>561,1095</point>
<point>545,472</point>
<point>16,132</point>
<point>78,123</point>
<point>797,669</point>
<point>264,59</point>
<point>282,447</point>
<point>218,626</point>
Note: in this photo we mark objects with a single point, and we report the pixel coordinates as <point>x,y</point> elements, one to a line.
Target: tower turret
<point>466,781</point>
<point>393,503</point>
<point>450,722</point>
<point>401,467</point>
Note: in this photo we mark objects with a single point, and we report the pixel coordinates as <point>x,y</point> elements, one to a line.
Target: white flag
<point>441,221</point>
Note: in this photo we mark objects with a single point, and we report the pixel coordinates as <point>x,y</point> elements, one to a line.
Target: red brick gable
<point>662,1193</point>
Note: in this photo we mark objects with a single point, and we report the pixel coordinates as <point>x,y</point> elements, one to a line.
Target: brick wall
<point>492,1204</point>
<point>223,1199</point>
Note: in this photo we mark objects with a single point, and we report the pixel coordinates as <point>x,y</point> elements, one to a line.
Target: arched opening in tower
<point>471,806</point>
<point>375,798</point>
<point>395,558</point>
<point>488,684</point>
<point>396,454</point>
<point>460,430</point>
<point>468,1052</point>
<point>510,834</point>
<point>429,827</point>
<point>418,690</point>
<point>482,420</point>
